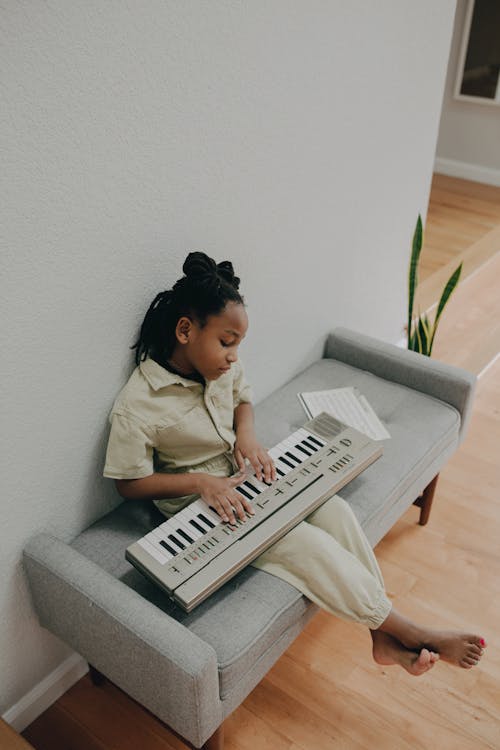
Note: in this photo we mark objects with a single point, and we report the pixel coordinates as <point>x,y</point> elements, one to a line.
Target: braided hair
<point>204,290</point>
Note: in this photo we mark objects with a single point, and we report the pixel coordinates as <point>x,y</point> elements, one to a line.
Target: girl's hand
<point>221,495</point>
<point>247,446</point>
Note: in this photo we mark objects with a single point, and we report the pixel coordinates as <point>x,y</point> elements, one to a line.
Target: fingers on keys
<point>263,466</point>
<point>232,506</point>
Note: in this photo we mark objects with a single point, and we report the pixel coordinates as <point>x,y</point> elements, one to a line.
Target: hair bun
<point>226,271</point>
<point>198,266</point>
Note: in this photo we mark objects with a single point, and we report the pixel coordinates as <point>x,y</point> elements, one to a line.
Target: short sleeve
<point>242,392</point>
<point>130,449</point>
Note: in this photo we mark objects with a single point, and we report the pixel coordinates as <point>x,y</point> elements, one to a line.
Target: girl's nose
<point>232,357</point>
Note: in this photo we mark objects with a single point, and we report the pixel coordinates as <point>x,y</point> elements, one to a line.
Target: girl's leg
<point>397,635</point>
<point>336,517</point>
<point>310,559</point>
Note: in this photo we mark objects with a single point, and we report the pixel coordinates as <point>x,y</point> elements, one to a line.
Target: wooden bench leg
<point>424,502</point>
<point>216,741</point>
<point>96,677</point>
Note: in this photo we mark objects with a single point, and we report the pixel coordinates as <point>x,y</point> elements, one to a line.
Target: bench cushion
<point>424,433</point>
<point>254,611</point>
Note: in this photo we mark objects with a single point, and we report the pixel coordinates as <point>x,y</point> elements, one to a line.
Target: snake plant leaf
<point>420,336</point>
<point>423,334</point>
<point>412,274</point>
<point>445,296</point>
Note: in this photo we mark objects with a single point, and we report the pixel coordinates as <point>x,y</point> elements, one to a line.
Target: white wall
<point>469,134</point>
<point>296,138</point>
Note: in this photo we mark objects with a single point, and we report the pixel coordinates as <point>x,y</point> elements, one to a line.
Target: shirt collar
<point>158,377</point>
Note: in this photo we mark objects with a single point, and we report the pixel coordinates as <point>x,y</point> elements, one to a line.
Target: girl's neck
<point>182,368</point>
<point>178,367</point>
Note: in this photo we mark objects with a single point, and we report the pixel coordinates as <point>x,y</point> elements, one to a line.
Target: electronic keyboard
<point>194,552</point>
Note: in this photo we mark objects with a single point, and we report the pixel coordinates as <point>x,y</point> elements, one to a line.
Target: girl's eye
<point>226,344</point>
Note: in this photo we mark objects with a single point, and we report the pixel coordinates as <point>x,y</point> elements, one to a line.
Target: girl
<point>183,424</point>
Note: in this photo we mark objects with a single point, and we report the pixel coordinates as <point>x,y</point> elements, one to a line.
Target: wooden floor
<point>326,692</point>
<point>460,213</point>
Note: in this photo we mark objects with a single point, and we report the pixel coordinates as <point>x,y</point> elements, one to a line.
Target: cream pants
<point>329,559</point>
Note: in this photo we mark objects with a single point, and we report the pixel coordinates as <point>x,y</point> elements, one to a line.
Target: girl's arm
<point>218,492</point>
<point>158,486</point>
<point>247,445</point>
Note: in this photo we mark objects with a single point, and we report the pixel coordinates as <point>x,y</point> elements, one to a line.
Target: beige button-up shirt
<point>164,422</point>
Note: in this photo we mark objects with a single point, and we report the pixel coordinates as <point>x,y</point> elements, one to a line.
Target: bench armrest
<point>152,657</point>
<point>445,382</point>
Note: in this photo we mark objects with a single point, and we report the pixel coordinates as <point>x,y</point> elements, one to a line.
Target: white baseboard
<point>467,171</point>
<point>46,693</point>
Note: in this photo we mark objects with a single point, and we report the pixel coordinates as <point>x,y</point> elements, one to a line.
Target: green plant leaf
<point>423,335</point>
<point>447,291</point>
<point>412,273</point>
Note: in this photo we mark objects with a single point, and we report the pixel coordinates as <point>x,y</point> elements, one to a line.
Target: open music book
<point>349,406</point>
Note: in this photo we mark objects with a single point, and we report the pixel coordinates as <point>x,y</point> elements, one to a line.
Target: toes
<point>477,641</point>
<point>469,661</point>
<point>422,663</point>
<point>424,658</point>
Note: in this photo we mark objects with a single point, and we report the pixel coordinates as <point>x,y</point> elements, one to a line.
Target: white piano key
<point>169,528</point>
<point>288,461</point>
<point>185,518</point>
<point>200,506</point>
<point>293,454</point>
<point>252,493</point>
<point>315,438</point>
<point>154,540</point>
<point>182,526</point>
<point>276,454</point>
<point>258,484</point>
<point>208,523</point>
<point>309,444</point>
<point>304,450</point>
<point>290,442</point>
<point>172,538</point>
<point>161,535</point>
<point>154,552</point>
<point>305,435</point>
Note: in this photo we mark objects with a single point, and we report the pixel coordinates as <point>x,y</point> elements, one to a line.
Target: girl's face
<point>211,350</point>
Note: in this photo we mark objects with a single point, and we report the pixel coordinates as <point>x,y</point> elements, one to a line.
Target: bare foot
<point>388,650</point>
<point>461,649</point>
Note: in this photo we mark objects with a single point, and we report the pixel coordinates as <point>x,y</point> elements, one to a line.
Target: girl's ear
<point>183,329</point>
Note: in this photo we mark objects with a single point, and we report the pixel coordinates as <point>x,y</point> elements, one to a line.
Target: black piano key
<point>246,494</point>
<point>288,463</point>
<point>168,547</point>
<point>185,536</point>
<point>311,446</point>
<point>197,526</point>
<point>278,471</point>
<point>294,458</point>
<point>301,448</point>
<point>176,541</point>
<point>254,489</point>
<point>206,520</point>
<point>204,526</point>
<point>315,440</point>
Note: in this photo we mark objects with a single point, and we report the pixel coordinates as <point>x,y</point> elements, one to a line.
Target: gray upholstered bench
<point>192,670</point>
